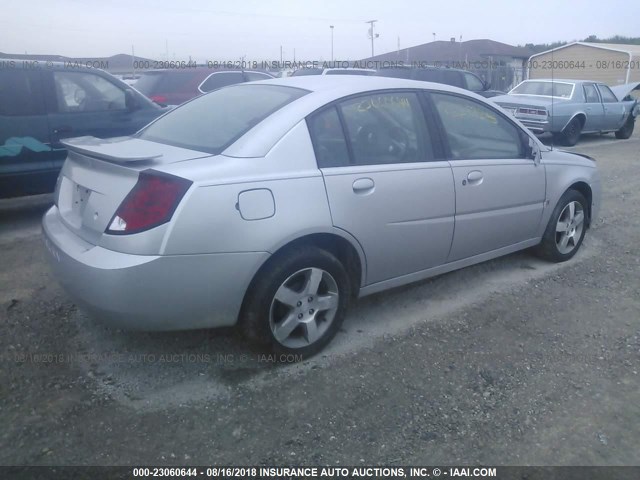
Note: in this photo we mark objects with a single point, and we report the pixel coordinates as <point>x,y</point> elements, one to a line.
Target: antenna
<point>552,97</point>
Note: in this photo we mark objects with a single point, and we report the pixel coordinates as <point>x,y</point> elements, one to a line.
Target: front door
<point>499,192</point>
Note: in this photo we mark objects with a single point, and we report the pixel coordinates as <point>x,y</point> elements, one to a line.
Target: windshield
<point>544,89</point>
<point>214,121</point>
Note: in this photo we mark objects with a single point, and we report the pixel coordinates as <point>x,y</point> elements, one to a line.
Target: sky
<point>211,30</point>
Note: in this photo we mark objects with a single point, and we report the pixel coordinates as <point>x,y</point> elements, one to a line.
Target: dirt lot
<point>511,362</point>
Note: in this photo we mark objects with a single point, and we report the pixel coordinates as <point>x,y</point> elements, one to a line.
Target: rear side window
<point>210,123</point>
<point>20,93</point>
<point>590,94</point>
<point>475,131</point>
<point>386,128</point>
<point>220,79</point>
<point>328,139</point>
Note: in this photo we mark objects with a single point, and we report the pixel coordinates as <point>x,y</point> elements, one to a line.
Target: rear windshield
<point>544,89</point>
<point>212,122</point>
<point>152,83</point>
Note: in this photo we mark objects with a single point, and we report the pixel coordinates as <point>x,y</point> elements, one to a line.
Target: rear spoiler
<point>118,150</point>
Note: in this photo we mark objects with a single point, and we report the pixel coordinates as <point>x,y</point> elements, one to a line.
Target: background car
<point>176,86</point>
<point>332,71</point>
<point>568,108</point>
<point>41,106</point>
<point>272,205</point>
<point>449,76</point>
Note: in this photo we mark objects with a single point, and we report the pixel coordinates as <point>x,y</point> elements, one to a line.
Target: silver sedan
<point>273,205</point>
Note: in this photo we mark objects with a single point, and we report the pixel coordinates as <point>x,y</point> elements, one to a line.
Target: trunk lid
<point>99,173</point>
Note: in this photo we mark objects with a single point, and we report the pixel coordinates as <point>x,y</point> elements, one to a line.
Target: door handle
<point>363,186</point>
<point>474,178</point>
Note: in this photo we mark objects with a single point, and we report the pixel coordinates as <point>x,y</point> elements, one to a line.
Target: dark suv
<point>42,103</point>
<point>449,76</point>
<point>173,86</point>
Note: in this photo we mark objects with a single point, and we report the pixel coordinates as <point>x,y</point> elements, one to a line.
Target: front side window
<point>475,131</point>
<point>20,93</point>
<point>590,94</point>
<point>86,92</point>
<point>221,79</point>
<point>212,122</point>
<point>473,83</point>
<point>607,94</point>
<point>386,128</point>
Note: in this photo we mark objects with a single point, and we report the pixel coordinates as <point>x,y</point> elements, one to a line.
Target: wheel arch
<point>582,118</point>
<point>347,250</point>
<point>585,189</point>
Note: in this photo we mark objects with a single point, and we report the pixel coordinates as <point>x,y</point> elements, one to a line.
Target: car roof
<point>323,89</point>
<point>560,80</point>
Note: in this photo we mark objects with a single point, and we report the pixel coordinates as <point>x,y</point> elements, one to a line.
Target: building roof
<point>619,47</point>
<point>453,51</point>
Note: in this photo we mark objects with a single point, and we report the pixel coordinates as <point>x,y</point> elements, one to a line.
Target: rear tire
<point>566,228</point>
<point>571,133</point>
<point>627,129</point>
<point>297,303</point>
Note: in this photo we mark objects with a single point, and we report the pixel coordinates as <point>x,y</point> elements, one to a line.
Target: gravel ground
<point>512,362</point>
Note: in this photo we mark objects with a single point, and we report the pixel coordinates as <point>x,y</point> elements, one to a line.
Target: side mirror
<point>487,85</point>
<point>130,100</point>
<point>533,151</point>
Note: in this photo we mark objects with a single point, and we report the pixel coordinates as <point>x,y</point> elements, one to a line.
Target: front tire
<point>627,129</point>
<point>566,228</point>
<point>298,302</point>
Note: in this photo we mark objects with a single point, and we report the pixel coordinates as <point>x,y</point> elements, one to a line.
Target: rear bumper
<point>537,127</point>
<point>149,292</point>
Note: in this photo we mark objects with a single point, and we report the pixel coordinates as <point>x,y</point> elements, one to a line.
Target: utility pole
<point>372,33</point>
<point>331,27</point>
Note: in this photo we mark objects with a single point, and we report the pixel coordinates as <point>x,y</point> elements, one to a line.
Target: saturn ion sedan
<point>273,205</point>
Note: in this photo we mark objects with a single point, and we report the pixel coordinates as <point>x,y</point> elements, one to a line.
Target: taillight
<point>159,99</point>
<point>150,203</point>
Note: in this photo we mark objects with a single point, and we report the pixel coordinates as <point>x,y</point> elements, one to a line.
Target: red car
<point>173,87</point>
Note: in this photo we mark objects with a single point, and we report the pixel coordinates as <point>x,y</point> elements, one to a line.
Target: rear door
<point>594,108</point>
<point>25,145</point>
<point>383,183</point>
<point>499,193</point>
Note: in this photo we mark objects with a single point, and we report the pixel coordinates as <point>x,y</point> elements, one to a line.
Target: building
<point>610,63</point>
<point>503,65</point>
